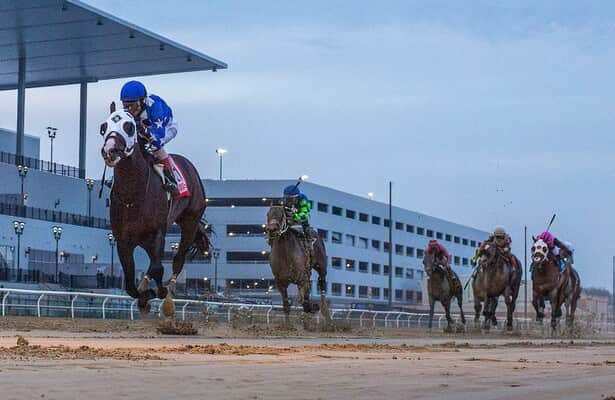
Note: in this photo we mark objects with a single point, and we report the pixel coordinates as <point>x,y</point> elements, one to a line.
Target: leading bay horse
<point>496,276</point>
<point>439,288</point>
<point>548,283</point>
<point>140,210</point>
<point>290,262</point>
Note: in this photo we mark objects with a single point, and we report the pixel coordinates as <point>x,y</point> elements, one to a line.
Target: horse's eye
<point>103,128</point>
<point>129,128</point>
<point>533,248</point>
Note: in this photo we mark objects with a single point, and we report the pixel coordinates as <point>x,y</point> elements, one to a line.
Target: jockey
<point>440,252</point>
<point>502,241</point>
<point>155,123</point>
<point>441,257</point>
<point>561,252</point>
<point>298,208</point>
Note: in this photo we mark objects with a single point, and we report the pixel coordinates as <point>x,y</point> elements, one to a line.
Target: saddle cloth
<point>182,186</point>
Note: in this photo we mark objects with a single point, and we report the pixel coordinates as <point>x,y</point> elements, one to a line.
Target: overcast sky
<point>482,112</point>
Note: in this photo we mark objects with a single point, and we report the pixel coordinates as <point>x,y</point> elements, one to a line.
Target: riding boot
<point>170,184</point>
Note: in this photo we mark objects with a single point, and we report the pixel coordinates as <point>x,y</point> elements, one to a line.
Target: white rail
<point>388,319</point>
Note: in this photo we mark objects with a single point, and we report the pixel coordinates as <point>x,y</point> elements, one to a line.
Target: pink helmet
<point>547,237</point>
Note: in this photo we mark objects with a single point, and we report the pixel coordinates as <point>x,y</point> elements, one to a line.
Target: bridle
<point>275,234</point>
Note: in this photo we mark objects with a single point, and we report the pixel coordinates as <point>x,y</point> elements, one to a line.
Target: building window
<point>363,242</point>
<point>447,237</point>
<point>399,294</point>
<point>409,251</point>
<point>350,290</point>
<point>363,217</point>
<point>336,289</point>
<point>439,235</point>
<point>385,269</point>
<point>336,262</point>
<point>409,273</point>
<point>419,274</point>
<point>387,247</point>
<point>472,243</point>
<point>410,228</point>
<point>323,234</point>
<point>245,230</point>
<point>409,296</point>
<point>399,272</point>
<point>464,262</point>
<point>387,223</point>
<point>376,268</point>
<point>464,241</point>
<point>419,297</point>
<point>363,290</point>
<point>375,292</point>
<point>351,214</point>
<point>429,233</point>
<point>336,237</point>
<point>363,266</point>
<point>420,231</point>
<point>376,244</point>
<point>399,249</point>
<point>420,253</point>
<point>350,265</point>
<point>247,257</point>
<point>375,220</point>
<point>399,226</point>
<point>350,240</point>
<point>385,292</point>
<point>336,210</point>
<point>456,258</point>
<point>456,239</point>
<point>323,207</point>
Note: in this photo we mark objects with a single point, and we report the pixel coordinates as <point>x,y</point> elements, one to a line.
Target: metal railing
<point>41,165</point>
<point>41,303</point>
<point>53,216</point>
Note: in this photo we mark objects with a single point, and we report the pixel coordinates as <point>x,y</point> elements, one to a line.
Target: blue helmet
<point>291,191</point>
<point>133,91</point>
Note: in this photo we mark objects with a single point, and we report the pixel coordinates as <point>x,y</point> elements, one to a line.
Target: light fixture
<point>305,177</point>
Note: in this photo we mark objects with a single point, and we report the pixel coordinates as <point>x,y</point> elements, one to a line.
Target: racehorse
<point>290,262</point>
<point>496,276</point>
<point>440,289</point>
<point>548,283</point>
<point>140,210</point>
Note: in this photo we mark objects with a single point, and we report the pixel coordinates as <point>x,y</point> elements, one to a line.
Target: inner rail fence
<point>63,304</point>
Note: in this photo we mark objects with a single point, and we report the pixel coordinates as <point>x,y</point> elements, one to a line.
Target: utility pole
<point>525,268</point>
<point>390,243</point>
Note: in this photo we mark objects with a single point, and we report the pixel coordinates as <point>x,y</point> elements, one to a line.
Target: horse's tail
<point>201,244</point>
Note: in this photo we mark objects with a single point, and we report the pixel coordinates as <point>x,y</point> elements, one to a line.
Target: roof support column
<point>83,122</point>
<point>21,110</point>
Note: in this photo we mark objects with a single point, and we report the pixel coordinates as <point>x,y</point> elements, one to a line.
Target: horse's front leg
<point>125,252</point>
<point>154,247</point>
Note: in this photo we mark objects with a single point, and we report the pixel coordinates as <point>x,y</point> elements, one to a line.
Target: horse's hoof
<point>144,310</point>
<point>168,308</point>
<point>162,292</point>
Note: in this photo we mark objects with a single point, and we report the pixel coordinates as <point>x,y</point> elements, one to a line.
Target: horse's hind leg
<point>189,227</point>
<point>460,303</point>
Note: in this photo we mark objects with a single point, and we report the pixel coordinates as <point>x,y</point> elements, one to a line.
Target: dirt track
<point>62,359</point>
